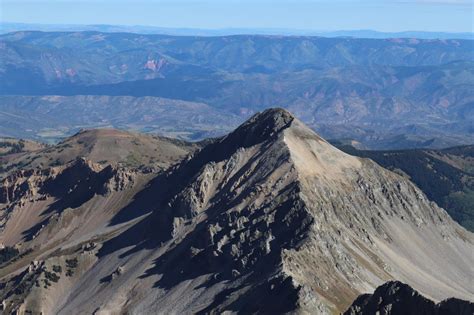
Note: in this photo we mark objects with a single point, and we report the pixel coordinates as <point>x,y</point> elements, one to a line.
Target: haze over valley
<point>384,93</point>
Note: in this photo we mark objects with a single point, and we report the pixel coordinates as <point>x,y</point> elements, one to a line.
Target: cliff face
<point>370,225</point>
<point>269,219</point>
<point>54,181</point>
<point>32,200</point>
<point>101,147</point>
<point>273,198</point>
<point>394,297</point>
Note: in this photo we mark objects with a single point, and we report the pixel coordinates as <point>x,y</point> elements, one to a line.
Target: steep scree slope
<point>269,219</point>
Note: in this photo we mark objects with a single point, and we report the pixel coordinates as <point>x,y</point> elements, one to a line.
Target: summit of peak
<point>261,127</point>
<point>275,118</point>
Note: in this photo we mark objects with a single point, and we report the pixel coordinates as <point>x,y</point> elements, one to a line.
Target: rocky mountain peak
<point>268,219</point>
<point>272,118</point>
<point>261,127</point>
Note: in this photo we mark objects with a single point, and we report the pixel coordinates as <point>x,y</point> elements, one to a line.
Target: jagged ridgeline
<point>268,219</point>
<point>395,297</point>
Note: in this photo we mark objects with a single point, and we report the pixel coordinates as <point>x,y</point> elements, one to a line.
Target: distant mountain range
<point>384,93</point>
<point>6,27</point>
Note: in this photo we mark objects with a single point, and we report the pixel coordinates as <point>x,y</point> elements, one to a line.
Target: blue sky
<point>382,15</point>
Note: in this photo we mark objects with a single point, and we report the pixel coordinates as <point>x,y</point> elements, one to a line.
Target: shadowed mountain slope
<point>268,219</point>
<point>396,298</point>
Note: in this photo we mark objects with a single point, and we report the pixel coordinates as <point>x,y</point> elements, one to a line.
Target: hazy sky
<point>382,15</point>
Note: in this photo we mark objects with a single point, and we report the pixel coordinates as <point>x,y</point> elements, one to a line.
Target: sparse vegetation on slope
<point>103,146</point>
<point>7,253</point>
<point>445,176</point>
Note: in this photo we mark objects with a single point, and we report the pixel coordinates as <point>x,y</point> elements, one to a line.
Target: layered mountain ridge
<point>104,147</point>
<point>268,219</point>
<point>385,93</point>
<point>445,176</point>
